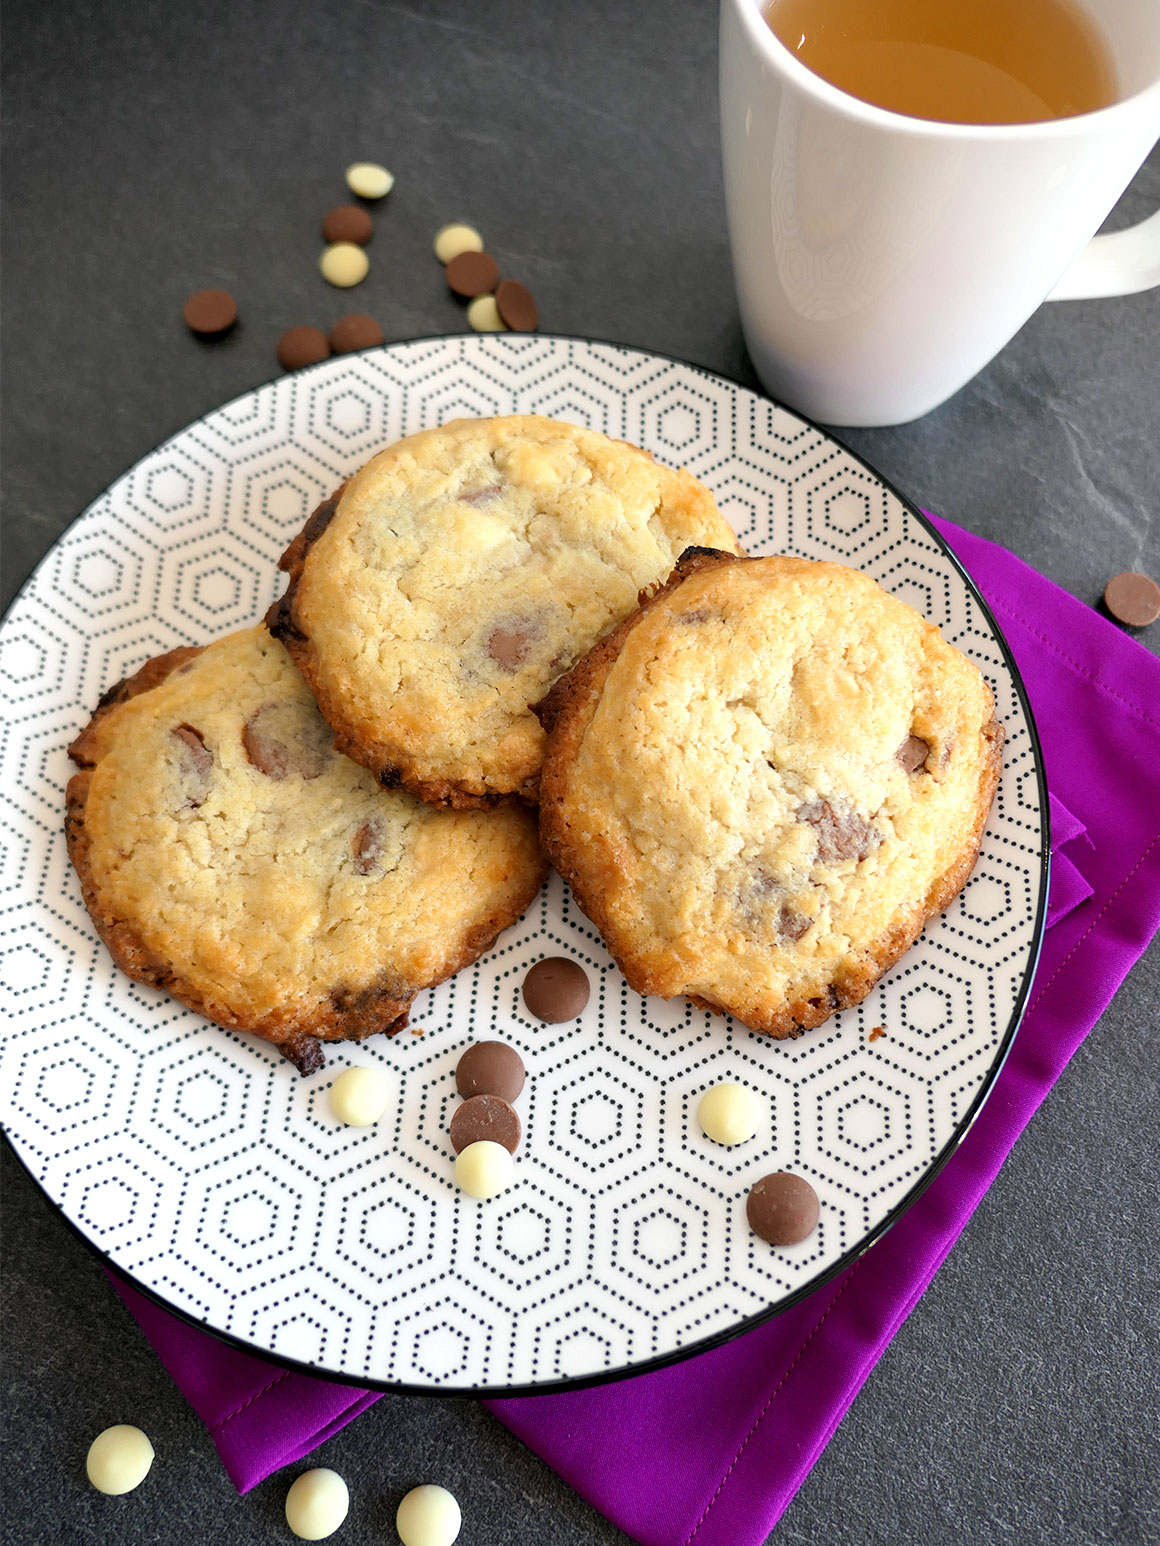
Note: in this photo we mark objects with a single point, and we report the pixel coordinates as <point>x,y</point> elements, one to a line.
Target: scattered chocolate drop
<point>210,312</point>
<point>485,1117</point>
<point>490,1068</point>
<point>300,346</point>
<point>472,273</point>
<point>508,646</point>
<point>348,223</point>
<point>355,332</point>
<point>912,754</point>
<point>782,1208</point>
<point>556,989</point>
<point>842,833</point>
<point>517,307</point>
<point>1133,599</point>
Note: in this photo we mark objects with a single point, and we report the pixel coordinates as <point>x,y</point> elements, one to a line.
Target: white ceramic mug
<point>882,260</point>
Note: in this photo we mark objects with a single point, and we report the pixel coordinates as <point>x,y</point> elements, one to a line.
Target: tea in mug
<point>958,61</point>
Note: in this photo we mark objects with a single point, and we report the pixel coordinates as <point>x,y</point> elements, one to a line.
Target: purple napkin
<point>710,1451</point>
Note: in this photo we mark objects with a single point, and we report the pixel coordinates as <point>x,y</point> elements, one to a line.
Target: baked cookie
<point>762,784</point>
<point>229,854</point>
<point>450,582</point>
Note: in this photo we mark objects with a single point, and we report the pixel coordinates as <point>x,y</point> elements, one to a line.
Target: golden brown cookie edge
<point>383,1009</point>
<point>566,712</point>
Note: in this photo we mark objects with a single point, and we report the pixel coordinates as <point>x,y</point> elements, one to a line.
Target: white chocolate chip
<point>369,180</point>
<point>484,1168</point>
<point>344,264</point>
<point>316,1504</point>
<point>428,1516</point>
<point>119,1459</point>
<point>483,315</point>
<point>454,239</point>
<point>729,1113</point>
<point>359,1096</point>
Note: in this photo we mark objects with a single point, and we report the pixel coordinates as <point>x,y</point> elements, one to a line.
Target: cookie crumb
<point>879,1030</point>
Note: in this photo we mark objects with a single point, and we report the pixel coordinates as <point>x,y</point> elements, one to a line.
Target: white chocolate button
<point>344,264</point>
<point>428,1516</point>
<point>484,1168</point>
<point>316,1504</point>
<point>359,1096</point>
<point>454,239</point>
<point>369,180</point>
<point>483,315</point>
<point>729,1113</point>
<point>119,1459</point>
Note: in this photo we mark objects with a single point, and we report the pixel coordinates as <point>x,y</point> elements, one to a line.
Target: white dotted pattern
<point>204,1167</point>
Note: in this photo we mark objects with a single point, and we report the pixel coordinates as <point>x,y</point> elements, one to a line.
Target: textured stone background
<point>151,150</point>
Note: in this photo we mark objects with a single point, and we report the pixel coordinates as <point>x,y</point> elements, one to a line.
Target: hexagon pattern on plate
<point>201,1164</point>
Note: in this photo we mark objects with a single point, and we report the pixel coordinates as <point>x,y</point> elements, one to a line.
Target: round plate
<point>206,1170</point>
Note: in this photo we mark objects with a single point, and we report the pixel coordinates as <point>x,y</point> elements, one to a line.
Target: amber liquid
<point>957,61</point>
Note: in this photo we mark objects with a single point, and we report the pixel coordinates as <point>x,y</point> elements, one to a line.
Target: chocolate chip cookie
<point>762,783</point>
<point>230,855</point>
<point>453,579</point>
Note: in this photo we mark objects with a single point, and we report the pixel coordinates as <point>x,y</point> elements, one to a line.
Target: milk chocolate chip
<point>472,273</point>
<point>782,1208</point>
<point>367,847</point>
<point>274,744</point>
<point>791,924</point>
<point>210,312</point>
<point>481,495</point>
<point>842,833</point>
<point>357,331</point>
<point>200,757</point>
<point>300,346</point>
<point>556,989</point>
<point>490,1068</point>
<point>348,223</point>
<point>508,646</point>
<point>912,754</point>
<point>1133,599</point>
<point>517,307</point>
<point>485,1117</point>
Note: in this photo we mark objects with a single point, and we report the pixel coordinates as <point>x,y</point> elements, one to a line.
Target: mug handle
<point>1122,263</point>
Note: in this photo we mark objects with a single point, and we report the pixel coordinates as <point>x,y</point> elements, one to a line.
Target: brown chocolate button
<point>490,1068</point>
<point>485,1116</point>
<point>556,989</point>
<point>517,307</point>
<point>355,332</point>
<point>782,1208</point>
<point>210,311</point>
<point>912,754</point>
<point>302,346</point>
<point>472,273</point>
<point>348,223</point>
<point>1133,599</point>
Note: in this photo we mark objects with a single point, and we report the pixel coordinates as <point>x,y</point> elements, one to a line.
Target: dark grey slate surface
<point>154,149</point>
